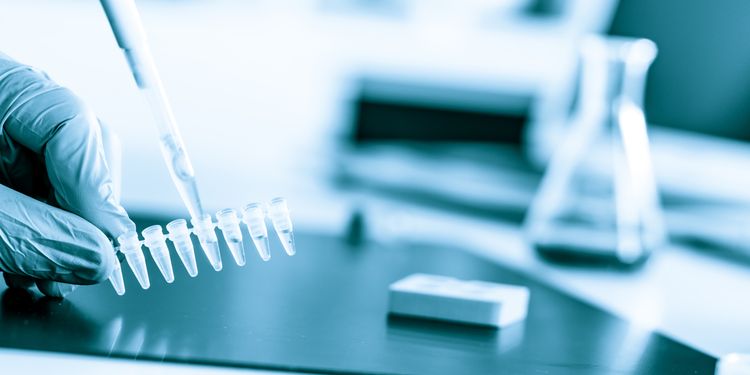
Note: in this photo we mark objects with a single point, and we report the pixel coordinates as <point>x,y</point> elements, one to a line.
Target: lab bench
<point>325,310</point>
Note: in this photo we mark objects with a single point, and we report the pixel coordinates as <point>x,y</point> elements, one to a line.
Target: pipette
<point>126,24</point>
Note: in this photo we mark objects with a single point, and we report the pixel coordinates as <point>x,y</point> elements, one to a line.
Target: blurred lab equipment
<point>598,196</point>
<point>126,24</point>
<point>253,215</point>
<point>733,364</point>
<point>438,297</point>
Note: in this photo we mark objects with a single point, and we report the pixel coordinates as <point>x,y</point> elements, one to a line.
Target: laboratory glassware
<point>598,196</point>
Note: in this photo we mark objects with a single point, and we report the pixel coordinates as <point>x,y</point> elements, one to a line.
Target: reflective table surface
<point>324,310</point>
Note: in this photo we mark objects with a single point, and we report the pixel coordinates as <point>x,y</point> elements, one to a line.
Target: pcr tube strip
<point>228,221</point>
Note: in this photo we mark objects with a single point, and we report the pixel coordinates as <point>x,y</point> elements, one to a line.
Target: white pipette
<point>126,24</point>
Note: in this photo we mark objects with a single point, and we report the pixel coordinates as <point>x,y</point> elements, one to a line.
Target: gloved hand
<point>59,197</point>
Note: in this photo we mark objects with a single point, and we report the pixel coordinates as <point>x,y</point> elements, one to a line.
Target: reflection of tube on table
<point>253,215</point>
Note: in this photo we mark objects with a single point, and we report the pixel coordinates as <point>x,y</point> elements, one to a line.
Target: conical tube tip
<point>287,241</point>
<point>164,262</point>
<point>137,264</point>
<point>187,256</point>
<point>211,249</point>
<point>237,248</point>
<point>115,278</point>
<point>261,244</point>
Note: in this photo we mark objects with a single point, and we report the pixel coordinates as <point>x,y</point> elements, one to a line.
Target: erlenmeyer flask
<point>598,196</point>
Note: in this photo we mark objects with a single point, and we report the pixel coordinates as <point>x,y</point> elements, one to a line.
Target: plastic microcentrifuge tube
<point>254,218</point>
<point>228,221</point>
<point>116,278</point>
<point>203,227</point>
<point>130,246</point>
<point>229,224</point>
<point>179,234</point>
<point>154,239</point>
<point>282,223</point>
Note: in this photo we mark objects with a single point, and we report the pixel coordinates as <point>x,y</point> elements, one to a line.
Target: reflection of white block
<point>446,298</point>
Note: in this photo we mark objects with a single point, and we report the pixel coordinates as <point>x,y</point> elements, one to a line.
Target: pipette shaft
<point>128,30</point>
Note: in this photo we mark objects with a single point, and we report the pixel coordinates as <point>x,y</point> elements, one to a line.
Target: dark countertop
<point>325,310</point>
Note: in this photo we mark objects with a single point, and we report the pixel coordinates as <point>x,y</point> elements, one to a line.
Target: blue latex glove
<point>59,200</point>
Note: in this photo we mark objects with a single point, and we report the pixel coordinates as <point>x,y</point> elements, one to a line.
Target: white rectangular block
<point>447,298</point>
